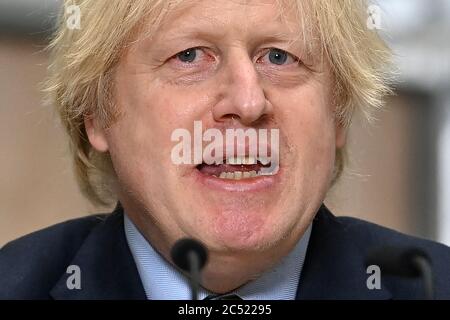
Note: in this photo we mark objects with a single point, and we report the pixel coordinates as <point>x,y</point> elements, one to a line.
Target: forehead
<point>283,18</point>
<point>221,10</point>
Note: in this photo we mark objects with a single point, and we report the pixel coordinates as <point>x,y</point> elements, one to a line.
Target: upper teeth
<point>247,160</point>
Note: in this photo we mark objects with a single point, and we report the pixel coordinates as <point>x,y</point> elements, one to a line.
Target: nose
<point>242,96</point>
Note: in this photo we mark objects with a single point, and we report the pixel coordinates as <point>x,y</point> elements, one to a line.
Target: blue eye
<point>277,56</point>
<point>187,56</point>
<point>280,57</point>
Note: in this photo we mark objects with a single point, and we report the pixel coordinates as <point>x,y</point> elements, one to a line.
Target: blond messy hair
<point>83,62</point>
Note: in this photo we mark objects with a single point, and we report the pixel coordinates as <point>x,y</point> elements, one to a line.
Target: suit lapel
<point>108,270</point>
<point>334,264</point>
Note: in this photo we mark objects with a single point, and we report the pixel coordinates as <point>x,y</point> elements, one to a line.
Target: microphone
<point>190,255</point>
<point>409,262</point>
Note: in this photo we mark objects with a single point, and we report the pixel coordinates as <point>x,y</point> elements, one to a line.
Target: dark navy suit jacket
<point>34,267</point>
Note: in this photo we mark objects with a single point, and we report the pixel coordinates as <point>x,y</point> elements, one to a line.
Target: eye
<point>193,57</point>
<point>188,56</point>
<point>280,57</point>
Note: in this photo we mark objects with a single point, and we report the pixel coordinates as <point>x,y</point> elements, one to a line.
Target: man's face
<point>230,65</point>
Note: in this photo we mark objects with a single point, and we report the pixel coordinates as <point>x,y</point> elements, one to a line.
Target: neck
<point>225,271</point>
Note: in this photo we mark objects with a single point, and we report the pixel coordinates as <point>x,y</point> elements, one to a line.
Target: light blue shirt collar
<point>162,281</point>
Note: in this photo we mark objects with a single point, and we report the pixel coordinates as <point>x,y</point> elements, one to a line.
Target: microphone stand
<point>194,270</point>
<point>191,256</point>
<point>423,266</point>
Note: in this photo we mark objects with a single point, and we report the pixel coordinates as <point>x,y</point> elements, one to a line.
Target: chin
<point>244,231</point>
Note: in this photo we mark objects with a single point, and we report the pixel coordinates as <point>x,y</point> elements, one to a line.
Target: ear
<point>96,134</point>
<point>341,135</point>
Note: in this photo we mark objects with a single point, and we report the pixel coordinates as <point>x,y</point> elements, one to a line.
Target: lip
<point>256,184</point>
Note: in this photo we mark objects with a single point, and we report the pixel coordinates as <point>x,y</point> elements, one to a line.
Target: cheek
<point>149,118</point>
<point>141,139</point>
<point>307,118</point>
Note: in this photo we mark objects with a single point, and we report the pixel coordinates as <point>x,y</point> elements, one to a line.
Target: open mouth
<point>238,168</point>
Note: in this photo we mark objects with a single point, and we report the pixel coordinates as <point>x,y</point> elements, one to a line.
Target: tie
<point>223,297</point>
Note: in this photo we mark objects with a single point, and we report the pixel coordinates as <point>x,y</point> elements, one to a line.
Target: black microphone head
<point>397,261</point>
<point>180,253</point>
